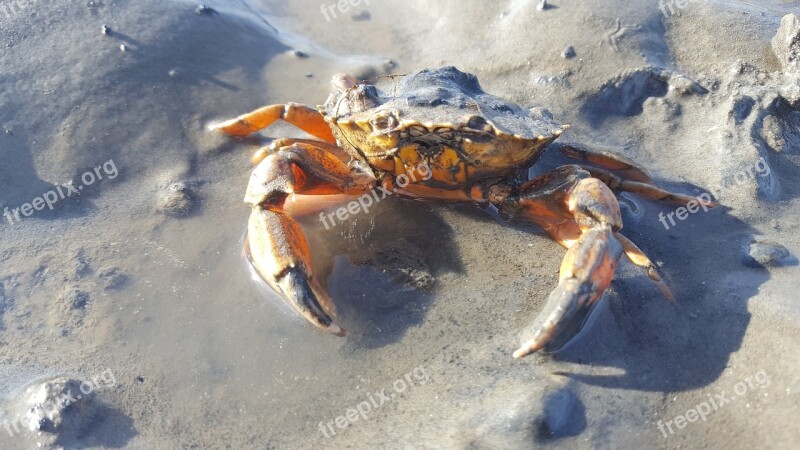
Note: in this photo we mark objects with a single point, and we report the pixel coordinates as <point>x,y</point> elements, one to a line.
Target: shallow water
<point>206,356</point>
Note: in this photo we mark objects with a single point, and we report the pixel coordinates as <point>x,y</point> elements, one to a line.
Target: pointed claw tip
<point>526,351</point>
<point>668,295</point>
<point>337,330</point>
<point>707,203</point>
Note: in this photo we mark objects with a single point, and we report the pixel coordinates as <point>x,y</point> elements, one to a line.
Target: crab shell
<point>441,118</point>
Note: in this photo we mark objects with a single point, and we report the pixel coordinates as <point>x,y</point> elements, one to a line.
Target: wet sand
<point>116,278</point>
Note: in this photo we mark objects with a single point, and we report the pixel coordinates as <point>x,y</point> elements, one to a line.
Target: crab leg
<point>587,269</point>
<point>637,257</point>
<point>279,252</point>
<point>303,117</point>
<point>276,245</point>
<point>634,179</point>
<point>647,190</point>
<point>586,272</point>
<point>608,160</point>
<point>279,143</point>
<point>582,213</point>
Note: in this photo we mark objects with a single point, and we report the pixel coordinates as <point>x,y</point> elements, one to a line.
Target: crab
<point>438,136</point>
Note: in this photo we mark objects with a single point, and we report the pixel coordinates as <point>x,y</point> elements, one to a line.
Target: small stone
<point>106,30</point>
<point>786,43</point>
<point>791,92</point>
<point>56,405</point>
<point>524,413</point>
<point>205,10</point>
<point>767,254</point>
<point>9,132</point>
<point>542,5</point>
<point>300,54</point>
<point>123,48</point>
<point>309,75</point>
<point>173,73</point>
<point>140,379</point>
<point>177,200</point>
<point>684,86</point>
<point>569,52</point>
<point>560,409</point>
<point>362,16</point>
<point>772,133</point>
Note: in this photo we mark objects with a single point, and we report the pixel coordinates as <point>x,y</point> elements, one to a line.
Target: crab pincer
<point>586,272</point>
<point>276,245</point>
<point>279,254</point>
<point>591,259</point>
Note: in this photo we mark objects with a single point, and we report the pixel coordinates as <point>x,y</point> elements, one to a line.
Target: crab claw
<point>279,254</point>
<point>295,286</point>
<point>586,272</point>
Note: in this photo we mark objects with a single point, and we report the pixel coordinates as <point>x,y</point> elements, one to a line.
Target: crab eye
<point>383,122</point>
<point>479,123</point>
<point>342,82</point>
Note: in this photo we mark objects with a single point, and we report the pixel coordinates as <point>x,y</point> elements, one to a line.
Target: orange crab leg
<point>586,272</point>
<point>277,249</point>
<point>647,190</point>
<point>303,117</point>
<point>656,193</point>
<point>637,257</point>
<point>608,160</point>
<point>633,178</point>
<point>276,245</point>
<point>581,213</point>
<point>587,269</point>
<point>279,143</point>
